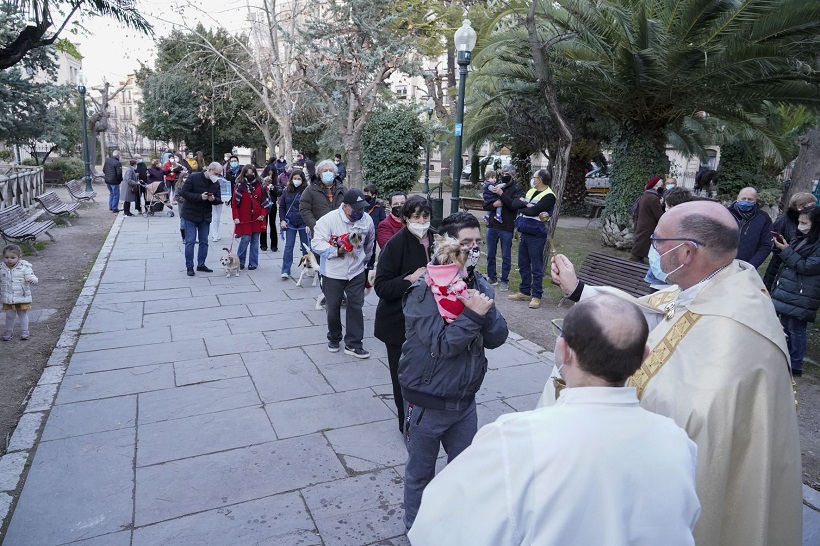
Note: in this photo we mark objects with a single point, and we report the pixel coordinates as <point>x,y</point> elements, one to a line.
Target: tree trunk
<point>638,155</point>
<point>353,153</point>
<point>807,166</point>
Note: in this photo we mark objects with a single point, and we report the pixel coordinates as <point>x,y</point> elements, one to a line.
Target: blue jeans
<point>290,242</point>
<point>253,241</point>
<point>531,264</point>
<point>493,237</point>
<point>113,196</point>
<point>796,338</point>
<point>194,230</point>
<point>425,430</point>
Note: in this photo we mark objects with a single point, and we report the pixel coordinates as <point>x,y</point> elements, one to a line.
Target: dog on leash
<point>230,262</point>
<point>309,265</point>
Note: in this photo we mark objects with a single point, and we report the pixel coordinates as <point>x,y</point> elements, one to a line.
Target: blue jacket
<point>443,365</point>
<point>796,291</point>
<point>755,236</point>
<point>289,209</point>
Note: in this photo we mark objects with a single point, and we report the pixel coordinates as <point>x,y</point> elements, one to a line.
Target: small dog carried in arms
<point>230,262</point>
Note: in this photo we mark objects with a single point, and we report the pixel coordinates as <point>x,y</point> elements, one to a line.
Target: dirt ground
<point>61,267</point>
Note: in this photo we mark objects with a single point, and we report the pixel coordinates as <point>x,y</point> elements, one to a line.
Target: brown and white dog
<point>230,262</point>
<point>309,265</point>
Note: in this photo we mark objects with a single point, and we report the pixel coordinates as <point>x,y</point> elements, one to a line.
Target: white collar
<point>615,396</point>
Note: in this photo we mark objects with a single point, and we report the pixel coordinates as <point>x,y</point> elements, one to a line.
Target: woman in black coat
<point>786,225</point>
<point>402,261</point>
<point>796,291</point>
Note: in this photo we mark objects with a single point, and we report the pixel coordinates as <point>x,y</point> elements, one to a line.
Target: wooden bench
<point>53,178</point>
<point>470,203</point>
<point>17,227</point>
<point>55,207</point>
<point>603,270</point>
<point>596,205</point>
<point>78,193</point>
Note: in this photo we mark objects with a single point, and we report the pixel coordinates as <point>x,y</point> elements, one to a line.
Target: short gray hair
<point>215,167</point>
<point>115,153</point>
<point>508,169</point>
<point>327,165</point>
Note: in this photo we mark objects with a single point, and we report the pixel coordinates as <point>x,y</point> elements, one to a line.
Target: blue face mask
<point>327,177</point>
<point>655,263</point>
<point>356,215</point>
<point>745,206</point>
<point>234,164</point>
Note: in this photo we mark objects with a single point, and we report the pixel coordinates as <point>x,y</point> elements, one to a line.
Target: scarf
<point>446,284</point>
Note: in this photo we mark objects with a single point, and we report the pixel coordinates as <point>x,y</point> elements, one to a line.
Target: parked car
<point>497,160</point>
<point>597,181</point>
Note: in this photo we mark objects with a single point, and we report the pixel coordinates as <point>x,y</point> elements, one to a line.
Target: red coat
<point>247,206</point>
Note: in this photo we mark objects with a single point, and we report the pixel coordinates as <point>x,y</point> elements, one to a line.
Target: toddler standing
<point>16,278</point>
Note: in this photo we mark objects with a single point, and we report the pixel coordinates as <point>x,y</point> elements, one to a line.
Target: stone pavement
<point>208,410</point>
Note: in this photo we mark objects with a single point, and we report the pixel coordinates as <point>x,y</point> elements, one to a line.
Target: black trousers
<point>393,355</point>
<point>273,229</point>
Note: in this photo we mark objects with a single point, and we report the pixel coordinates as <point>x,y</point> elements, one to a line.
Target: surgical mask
<point>234,164</point>
<point>297,182</point>
<point>745,206</point>
<point>532,183</point>
<point>804,228</point>
<point>419,230</point>
<point>506,178</point>
<point>670,186</point>
<point>139,160</point>
<point>213,177</point>
<point>396,211</point>
<point>336,161</point>
<point>356,215</point>
<point>655,263</point>
<point>327,177</point>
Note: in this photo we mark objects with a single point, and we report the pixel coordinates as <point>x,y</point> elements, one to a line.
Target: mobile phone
<point>777,236</point>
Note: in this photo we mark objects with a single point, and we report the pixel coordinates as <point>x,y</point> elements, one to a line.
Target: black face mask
<point>793,215</point>
<point>506,178</point>
<point>250,176</point>
<point>370,200</point>
<point>396,211</point>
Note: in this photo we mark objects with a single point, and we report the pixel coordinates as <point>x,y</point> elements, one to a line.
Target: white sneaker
<point>215,239</point>
<point>285,276</point>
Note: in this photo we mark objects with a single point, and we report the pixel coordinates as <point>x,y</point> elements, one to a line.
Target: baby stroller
<point>156,199</point>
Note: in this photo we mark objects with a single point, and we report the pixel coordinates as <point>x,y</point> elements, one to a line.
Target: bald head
<point>747,194</point>
<point>606,348</point>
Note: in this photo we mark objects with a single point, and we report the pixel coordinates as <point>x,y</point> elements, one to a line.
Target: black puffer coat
<point>796,290</point>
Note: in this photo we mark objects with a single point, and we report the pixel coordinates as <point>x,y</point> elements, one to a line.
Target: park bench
<point>53,178</point>
<point>471,203</point>
<point>78,193</point>
<point>55,207</point>
<point>17,227</point>
<point>596,203</point>
<point>603,270</point>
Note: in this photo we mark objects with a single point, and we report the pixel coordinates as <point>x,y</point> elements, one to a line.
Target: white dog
<point>309,265</point>
<point>230,262</point>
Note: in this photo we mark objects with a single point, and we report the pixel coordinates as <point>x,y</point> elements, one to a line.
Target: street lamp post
<point>430,105</point>
<point>464,39</point>
<point>86,165</point>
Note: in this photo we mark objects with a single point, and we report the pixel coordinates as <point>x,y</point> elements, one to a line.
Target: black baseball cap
<point>355,198</point>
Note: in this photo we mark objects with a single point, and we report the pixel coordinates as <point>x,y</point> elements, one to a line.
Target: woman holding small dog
<point>402,262</point>
<point>290,219</point>
<point>251,203</point>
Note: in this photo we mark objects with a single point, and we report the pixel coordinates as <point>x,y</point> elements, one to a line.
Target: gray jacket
<point>442,365</point>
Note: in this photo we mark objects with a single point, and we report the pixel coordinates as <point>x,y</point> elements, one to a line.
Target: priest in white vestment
<point>719,367</point>
<point>594,469</point>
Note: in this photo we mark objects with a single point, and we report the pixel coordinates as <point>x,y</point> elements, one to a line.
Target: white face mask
<point>213,177</point>
<point>803,228</point>
<point>297,182</point>
<point>419,230</point>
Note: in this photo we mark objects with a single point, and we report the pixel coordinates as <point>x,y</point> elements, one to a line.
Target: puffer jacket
<point>796,291</point>
<point>112,170</point>
<point>14,285</point>
<point>443,365</point>
<point>315,204</point>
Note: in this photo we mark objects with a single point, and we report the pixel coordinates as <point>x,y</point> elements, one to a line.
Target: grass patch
<point>39,245</point>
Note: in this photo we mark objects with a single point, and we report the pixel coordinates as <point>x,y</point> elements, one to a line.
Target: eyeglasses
<point>557,327</point>
<point>656,240</point>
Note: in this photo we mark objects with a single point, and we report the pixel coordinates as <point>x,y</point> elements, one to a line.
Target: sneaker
<point>263,248</point>
<point>487,219</point>
<point>494,282</point>
<point>285,276</point>
<point>191,272</point>
<point>499,219</point>
<point>504,287</point>
<point>251,267</point>
<point>204,268</point>
<point>7,336</point>
<point>241,266</point>
<point>795,373</point>
<point>358,352</point>
<point>535,303</point>
<point>24,335</point>
<point>518,296</point>
<point>333,346</point>
<point>215,239</point>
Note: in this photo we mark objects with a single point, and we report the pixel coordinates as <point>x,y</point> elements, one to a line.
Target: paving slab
<point>260,323</point>
<point>287,338</point>
<point>285,374</point>
<point>200,330</point>
<point>115,340</point>
<point>76,488</point>
<point>79,418</point>
<point>330,411</point>
<point>513,381</point>
<point>180,304</point>
<point>91,386</point>
<point>190,372</point>
<point>236,343</point>
<point>201,434</point>
<point>281,307</point>
<point>110,317</point>
<point>197,400</point>
<point>196,316</point>
<point>123,538</point>
<point>25,434</point>
<point>11,466</point>
<point>510,355</point>
<point>217,480</point>
<point>278,519</point>
<point>137,356</point>
<point>359,510</point>
<point>351,375</point>
<point>257,296</point>
<point>368,447</point>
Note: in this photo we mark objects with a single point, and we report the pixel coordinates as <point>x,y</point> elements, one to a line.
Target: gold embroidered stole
<point>662,352</point>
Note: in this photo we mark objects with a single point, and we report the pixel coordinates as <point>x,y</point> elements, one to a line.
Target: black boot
<point>182,232</point>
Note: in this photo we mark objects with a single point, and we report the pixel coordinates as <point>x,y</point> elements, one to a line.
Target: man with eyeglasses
<point>719,367</point>
<point>442,364</point>
<point>595,468</point>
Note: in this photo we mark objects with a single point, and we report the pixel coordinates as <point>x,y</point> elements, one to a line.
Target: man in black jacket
<point>200,192</point>
<point>502,231</point>
<point>112,171</point>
